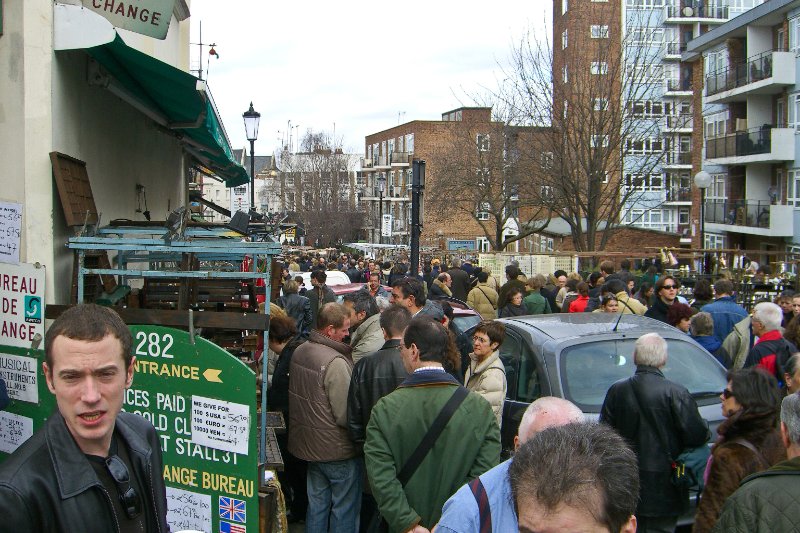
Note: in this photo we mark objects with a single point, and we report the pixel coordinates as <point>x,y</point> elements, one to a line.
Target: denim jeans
<point>334,487</point>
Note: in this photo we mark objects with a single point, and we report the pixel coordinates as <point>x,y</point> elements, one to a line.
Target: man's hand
<point>418,529</point>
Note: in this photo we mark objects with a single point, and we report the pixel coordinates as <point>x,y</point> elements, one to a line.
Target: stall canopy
<point>171,97</point>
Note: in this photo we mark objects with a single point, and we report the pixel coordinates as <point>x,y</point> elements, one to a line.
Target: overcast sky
<point>363,66</point>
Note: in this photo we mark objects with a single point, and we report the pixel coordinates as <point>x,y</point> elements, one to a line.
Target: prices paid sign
<point>202,402</point>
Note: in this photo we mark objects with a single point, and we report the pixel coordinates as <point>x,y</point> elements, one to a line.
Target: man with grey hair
<point>771,351</point>
<point>660,419</point>
<point>575,477</point>
<point>764,500</point>
<point>366,336</point>
<point>487,499</point>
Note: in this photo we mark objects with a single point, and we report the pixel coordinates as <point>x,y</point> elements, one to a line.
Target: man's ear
<point>48,376</point>
<point>129,373</point>
<point>785,436</point>
<point>630,525</point>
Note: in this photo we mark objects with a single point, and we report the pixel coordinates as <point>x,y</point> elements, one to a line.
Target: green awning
<point>177,100</point>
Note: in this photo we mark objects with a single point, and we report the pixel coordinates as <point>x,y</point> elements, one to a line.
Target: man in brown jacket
<point>320,378</point>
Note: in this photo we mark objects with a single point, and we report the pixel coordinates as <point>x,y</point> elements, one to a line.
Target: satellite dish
<point>688,11</point>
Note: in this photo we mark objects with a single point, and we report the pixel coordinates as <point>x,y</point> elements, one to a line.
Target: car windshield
<point>464,322</point>
<point>588,370</point>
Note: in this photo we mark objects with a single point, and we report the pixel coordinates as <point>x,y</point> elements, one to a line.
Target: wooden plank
<point>206,319</point>
<point>74,189</point>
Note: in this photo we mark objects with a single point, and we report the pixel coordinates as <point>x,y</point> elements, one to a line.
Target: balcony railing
<point>678,158</point>
<point>679,194</point>
<point>755,214</point>
<point>751,70</point>
<point>380,161</point>
<point>366,162</point>
<point>675,49</point>
<point>742,143</point>
<point>399,158</point>
<point>672,84</point>
<point>678,122</point>
<point>698,9</point>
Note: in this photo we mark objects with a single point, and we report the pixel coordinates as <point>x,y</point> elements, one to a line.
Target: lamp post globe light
<point>251,119</point>
<point>381,187</point>
<point>702,181</point>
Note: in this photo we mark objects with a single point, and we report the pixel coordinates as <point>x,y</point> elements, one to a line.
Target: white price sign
<point>386,226</point>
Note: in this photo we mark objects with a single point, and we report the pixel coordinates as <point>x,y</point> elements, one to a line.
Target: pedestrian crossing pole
<point>417,186</point>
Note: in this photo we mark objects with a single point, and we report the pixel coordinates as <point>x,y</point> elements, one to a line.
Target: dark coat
<point>278,392</point>
<point>314,297</point>
<point>298,308</point>
<point>47,484</point>
<point>658,310</point>
<point>460,287</point>
<point>731,462</point>
<point>660,419</point>
<point>505,290</point>
<point>374,376</point>
<point>714,347</point>
<point>511,310</point>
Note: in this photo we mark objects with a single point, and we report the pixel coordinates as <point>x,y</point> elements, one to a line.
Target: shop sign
<point>201,400</point>
<point>31,401</point>
<point>21,303</point>
<point>240,199</point>
<point>386,226</point>
<point>461,244</point>
<point>148,17</point>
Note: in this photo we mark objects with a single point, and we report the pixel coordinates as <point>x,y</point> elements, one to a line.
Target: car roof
<point>346,288</point>
<point>561,326</point>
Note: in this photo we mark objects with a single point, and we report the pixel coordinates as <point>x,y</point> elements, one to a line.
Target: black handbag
<point>378,524</point>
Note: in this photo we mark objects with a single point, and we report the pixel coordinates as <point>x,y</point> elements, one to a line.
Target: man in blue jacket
<point>724,310</point>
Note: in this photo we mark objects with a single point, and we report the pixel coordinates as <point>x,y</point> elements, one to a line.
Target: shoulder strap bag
<point>377,523</point>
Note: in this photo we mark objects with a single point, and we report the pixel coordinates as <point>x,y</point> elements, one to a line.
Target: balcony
<point>698,11</point>
<point>677,123</point>
<point>766,73</point>
<point>381,163</point>
<point>677,159</point>
<point>678,195</point>
<point>674,50</point>
<point>758,145</point>
<point>366,164</point>
<point>400,159</point>
<point>750,217</point>
<point>678,87</point>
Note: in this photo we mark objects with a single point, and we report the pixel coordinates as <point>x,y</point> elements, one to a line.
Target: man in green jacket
<point>468,446</point>
<point>765,500</point>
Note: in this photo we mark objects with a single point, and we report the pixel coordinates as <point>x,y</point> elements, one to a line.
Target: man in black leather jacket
<point>91,468</point>
<point>378,374</point>
<point>660,419</point>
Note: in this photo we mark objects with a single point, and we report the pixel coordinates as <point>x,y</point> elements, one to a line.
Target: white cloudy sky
<point>355,64</point>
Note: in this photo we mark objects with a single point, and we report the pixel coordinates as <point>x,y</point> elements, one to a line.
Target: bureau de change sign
<point>202,402</point>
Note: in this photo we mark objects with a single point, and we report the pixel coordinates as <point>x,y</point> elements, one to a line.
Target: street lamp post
<point>251,118</point>
<point>702,180</point>
<point>381,185</point>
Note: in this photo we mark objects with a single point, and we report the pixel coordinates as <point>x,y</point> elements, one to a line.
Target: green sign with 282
<point>202,402</point>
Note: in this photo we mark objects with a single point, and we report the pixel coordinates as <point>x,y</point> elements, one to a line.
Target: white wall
<point>757,182</point>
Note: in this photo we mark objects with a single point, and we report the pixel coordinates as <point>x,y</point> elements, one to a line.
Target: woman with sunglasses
<point>666,291</point>
<point>749,440</point>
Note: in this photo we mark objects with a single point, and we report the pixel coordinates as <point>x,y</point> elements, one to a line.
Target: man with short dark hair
<point>724,310</point>
<point>764,500</point>
<point>464,511</point>
<point>364,322</point>
<point>374,286</point>
<point>577,477</point>
<point>320,294</point>
<point>410,292</point>
<point>91,467</point>
<point>660,419</point>
<point>468,445</point>
<point>320,378</point>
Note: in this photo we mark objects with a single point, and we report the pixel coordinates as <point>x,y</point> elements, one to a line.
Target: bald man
<point>461,513</point>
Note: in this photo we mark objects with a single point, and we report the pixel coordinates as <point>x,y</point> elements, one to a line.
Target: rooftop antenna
<point>211,52</point>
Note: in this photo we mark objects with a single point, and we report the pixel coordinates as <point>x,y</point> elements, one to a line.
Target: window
<point>644,182</point>
<point>483,142</point>
<point>564,6</point>
<point>599,67</point>
<point>599,31</point>
<point>410,142</point>
<point>780,113</point>
<point>793,120</point>
<point>715,241</point>
<point>564,39</point>
<point>717,189</point>
<point>482,211</point>
<point>644,146</point>
<point>683,216</point>
<point>565,75</point>
<point>716,125</point>
<point>566,106</point>
<point>546,193</point>
<point>599,141</point>
<point>547,160</point>
<point>644,4</point>
<point>647,108</point>
<point>793,187</point>
<point>601,104</point>
<point>794,34</point>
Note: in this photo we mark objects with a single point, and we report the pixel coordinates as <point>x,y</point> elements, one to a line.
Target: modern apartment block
<point>655,92</point>
<point>751,111</point>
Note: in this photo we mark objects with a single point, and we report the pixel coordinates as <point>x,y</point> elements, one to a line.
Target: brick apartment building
<point>454,149</point>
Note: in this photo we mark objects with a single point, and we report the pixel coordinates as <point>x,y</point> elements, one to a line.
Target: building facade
<point>750,102</point>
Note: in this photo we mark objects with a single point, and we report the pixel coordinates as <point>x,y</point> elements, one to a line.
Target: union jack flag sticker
<point>232,509</point>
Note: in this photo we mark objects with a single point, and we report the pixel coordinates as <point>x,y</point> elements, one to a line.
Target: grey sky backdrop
<point>356,64</point>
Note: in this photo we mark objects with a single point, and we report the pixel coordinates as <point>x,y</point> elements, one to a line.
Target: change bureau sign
<point>201,401</point>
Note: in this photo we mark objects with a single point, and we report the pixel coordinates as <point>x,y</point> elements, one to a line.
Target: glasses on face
<point>727,393</point>
<point>480,340</point>
<point>669,287</point>
<point>127,495</point>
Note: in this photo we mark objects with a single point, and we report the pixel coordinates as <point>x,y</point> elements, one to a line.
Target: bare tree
<point>480,175</point>
<point>600,96</point>
<point>321,180</point>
